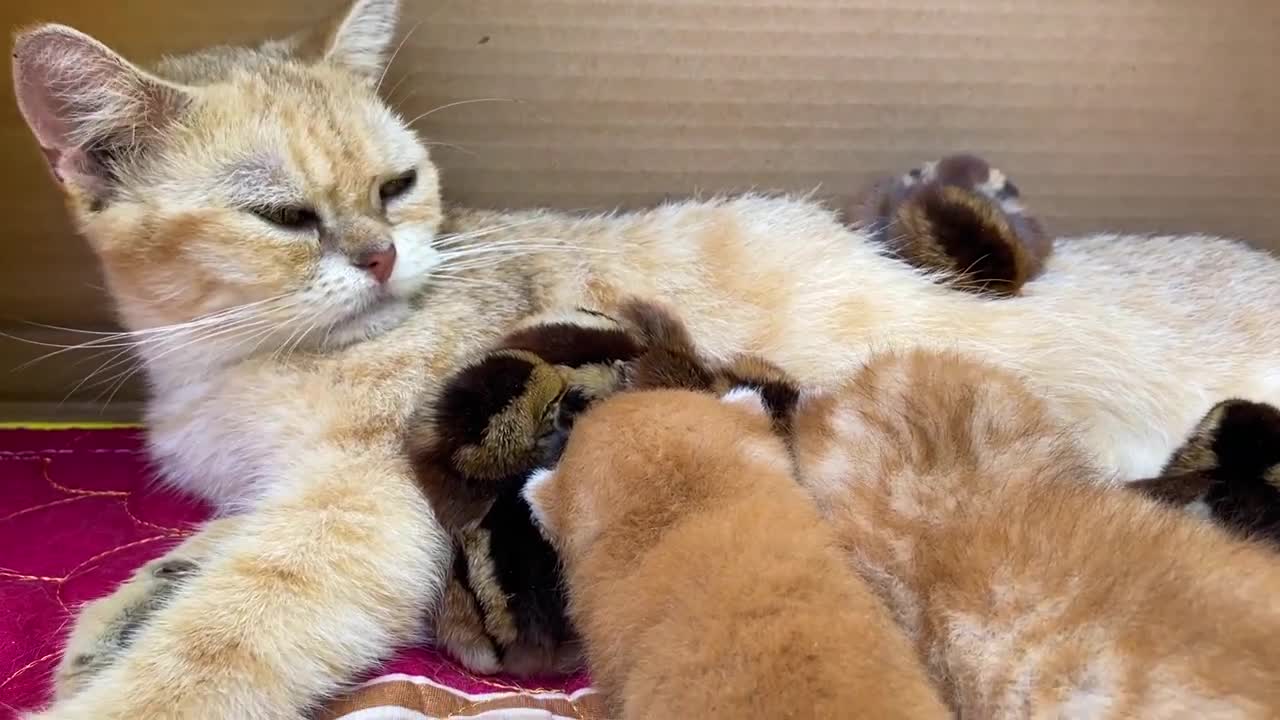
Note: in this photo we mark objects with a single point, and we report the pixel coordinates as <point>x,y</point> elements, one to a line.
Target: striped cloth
<point>413,697</point>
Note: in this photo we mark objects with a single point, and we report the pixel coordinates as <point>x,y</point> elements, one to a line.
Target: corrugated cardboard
<point>1139,115</point>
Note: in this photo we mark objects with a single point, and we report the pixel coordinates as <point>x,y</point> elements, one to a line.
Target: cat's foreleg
<point>333,569</point>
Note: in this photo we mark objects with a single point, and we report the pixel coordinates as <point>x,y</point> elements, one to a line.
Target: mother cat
<point>274,239</point>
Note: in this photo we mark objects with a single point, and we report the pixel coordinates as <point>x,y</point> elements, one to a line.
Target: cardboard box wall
<point>1134,115</point>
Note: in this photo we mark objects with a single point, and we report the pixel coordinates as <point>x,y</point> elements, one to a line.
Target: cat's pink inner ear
<point>361,38</point>
<point>76,94</point>
<point>47,64</point>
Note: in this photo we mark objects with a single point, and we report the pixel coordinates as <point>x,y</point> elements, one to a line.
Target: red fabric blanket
<point>79,511</point>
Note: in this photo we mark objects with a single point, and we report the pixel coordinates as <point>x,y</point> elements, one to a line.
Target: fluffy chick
<point>962,218</point>
<point>1229,469</point>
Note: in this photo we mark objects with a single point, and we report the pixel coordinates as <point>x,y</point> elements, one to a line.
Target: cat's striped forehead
<point>296,134</point>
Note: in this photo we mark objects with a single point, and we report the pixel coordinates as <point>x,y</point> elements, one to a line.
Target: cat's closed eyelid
<point>397,186</point>
<point>287,217</point>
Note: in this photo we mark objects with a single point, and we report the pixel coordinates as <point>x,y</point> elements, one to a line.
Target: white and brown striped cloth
<point>424,684</point>
<point>413,697</point>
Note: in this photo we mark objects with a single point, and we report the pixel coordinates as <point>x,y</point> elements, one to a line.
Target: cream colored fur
<point>293,423</point>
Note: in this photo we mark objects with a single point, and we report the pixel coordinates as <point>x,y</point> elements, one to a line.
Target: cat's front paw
<point>106,627</point>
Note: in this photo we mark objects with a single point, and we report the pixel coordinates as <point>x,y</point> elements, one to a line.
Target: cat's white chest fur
<point>202,446</point>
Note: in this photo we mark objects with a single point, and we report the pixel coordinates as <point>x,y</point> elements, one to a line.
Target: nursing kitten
<point>701,578</point>
<point>273,234</point>
<point>1030,586</point>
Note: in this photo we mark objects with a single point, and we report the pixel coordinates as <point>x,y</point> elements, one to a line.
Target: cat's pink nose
<point>379,262</point>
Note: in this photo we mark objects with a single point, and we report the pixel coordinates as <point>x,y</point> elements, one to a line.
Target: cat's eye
<point>397,186</point>
<point>289,217</point>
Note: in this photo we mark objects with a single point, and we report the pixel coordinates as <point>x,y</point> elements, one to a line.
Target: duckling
<point>1228,469</point>
<point>499,416</point>
<point>962,218</point>
<point>494,421</point>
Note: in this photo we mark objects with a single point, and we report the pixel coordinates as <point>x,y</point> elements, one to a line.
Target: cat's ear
<point>87,106</point>
<point>360,39</point>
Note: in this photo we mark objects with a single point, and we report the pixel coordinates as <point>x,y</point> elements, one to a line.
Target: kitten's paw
<point>961,217</point>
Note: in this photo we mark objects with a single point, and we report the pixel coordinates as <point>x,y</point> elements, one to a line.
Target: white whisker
<point>123,377</point>
<point>390,94</point>
<point>456,104</point>
<point>262,336</point>
<point>458,237</point>
<point>524,247</point>
<point>147,335</point>
<point>452,146</point>
<point>281,353</point>
<point>465,280</point>
<point>106,365</point>
<point>246,323</point>
<point>302,337</point>
<point>392,59</point>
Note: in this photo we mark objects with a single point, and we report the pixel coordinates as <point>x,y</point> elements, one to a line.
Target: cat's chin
<point>368,323</point>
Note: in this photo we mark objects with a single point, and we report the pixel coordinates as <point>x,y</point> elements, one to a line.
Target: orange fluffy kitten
<point>702,579</point>
<point>1030,586</point>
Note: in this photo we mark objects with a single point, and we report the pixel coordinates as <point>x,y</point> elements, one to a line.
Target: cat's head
<point>263,190</point>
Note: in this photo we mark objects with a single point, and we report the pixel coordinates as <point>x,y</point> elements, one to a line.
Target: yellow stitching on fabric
<point>168,531</point>
<point>47,463</point>
<point>24,511</point>
<point>14,575</point>
<point>114,550</point>
<point>69,425</point>
<point>27,667</point>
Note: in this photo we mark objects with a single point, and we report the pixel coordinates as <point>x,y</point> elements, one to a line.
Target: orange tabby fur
<point>702,579</point>
<point>1030,587</point>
